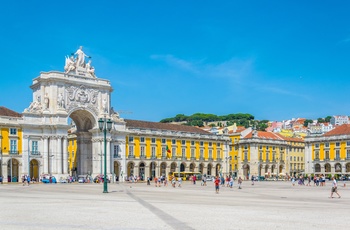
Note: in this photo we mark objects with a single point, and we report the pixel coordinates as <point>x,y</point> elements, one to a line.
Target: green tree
<point>328,118</point>
<point>307,121</point>
<point>320,120</point>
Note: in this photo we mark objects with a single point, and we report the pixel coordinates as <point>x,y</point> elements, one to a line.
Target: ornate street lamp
<point>104,125</point>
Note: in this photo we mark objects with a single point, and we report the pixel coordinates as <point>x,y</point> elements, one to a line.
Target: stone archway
<point>218,169</point>
<point>152,169</point>
<point>13,170</point>
<point>116,170</point>
<point>317,168</point>
<point>173,167</point>
<point>182,167</point>
<point>142,171</point>
<point>246,171</point>
<point>34,170</point>
<point>337,168</point>
<point>163,169</point>
<point>327,168</point>
<point>192,167</point>
<point>130,169</point>
<point>347,168</point>
<point>209,169</point>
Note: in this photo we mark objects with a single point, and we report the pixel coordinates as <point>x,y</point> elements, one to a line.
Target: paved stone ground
<point>269,205</point>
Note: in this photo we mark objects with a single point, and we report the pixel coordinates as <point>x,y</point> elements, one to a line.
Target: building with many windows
<point>154,149</point>
<point>330,153</point>
<point>11,140</point>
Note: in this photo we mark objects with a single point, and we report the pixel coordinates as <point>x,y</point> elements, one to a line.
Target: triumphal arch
<point>70,102</point>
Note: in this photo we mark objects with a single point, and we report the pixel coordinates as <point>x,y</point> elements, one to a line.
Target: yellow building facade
<point>329,154</point>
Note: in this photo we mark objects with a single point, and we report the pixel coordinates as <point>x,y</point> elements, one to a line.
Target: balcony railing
<point>116,156</point>
<point>13,152</point>
<point>317,159</point>
<point>193,158</point>
<point>131,156</point>
<point>210,159</point>
<point>164,157</point>
<point>142,157</point>
<point>201,158</point>
<point>219,159</point>
<point>36,153</point>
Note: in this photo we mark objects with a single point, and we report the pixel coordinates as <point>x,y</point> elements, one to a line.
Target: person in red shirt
<point>217,184</point>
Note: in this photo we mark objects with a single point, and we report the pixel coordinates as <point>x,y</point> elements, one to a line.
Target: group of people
<point>26,180</point>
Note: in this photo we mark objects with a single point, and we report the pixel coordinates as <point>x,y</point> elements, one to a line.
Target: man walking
<point>334,187</point>
<point>217,184</point>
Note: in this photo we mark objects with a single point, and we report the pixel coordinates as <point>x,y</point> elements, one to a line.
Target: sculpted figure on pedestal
<point>34,106</point>
<point>60,101</point>
<point>90,69</point>
<point>70,65</point>
<point>80,57</point>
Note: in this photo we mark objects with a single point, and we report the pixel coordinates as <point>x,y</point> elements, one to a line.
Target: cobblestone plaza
<point>272,205</point>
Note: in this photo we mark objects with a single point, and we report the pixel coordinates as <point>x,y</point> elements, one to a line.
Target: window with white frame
<point>337,154</point>
<point>337,144</point>
<point>142,140</point>
<point>210,153</point>
<point>267,156</point>
<point>183,142</point>
<point>218,153</point>
<point>201,143</point>
<point>153,151</point>
<point>348,153</point>
<point>267,147</point>
<point>326,144</point>
<point>183,152</point>
<point>131,150</point>
<point>13,131</point>
<point>173,141</point>
<point>163,151</point>
<point>201,153</point>
<point>245,156</point>
<point>218,144</point>
<point>317,145</point>
<point>116,150</point>
<point>163,141</point>
<point>153,140</point>
<point>35,148</point>
<point>131,139</point>
<point>173,152</point>
<point>192,153</point>
<point>142,151</point>
<point>327,155</point>
<point>210,144</point>
<point>13,146</point>
<point>317,154</point>
<point>192,143</point>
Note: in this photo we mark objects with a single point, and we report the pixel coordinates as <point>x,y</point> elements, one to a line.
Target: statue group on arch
<point>76,62</point>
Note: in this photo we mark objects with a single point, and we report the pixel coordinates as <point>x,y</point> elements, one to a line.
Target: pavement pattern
<point>265,205</point>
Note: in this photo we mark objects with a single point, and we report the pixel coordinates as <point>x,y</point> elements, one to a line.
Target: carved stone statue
<point>60,101</point>
<point>35,106</point>
<point>70,65</point>
<point>80,57</point>
<point>90,69</point>
<point>46,102</point>
<point>104,105</point>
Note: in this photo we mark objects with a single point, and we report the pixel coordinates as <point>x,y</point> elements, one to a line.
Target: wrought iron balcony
<point>164,157</point>
<point>131,157</point>
<point>36,153</point>
<point>210,159</point>
<point>13,152</point>
<point>337,159</point>
<point>116,156</point>
<point>317,159</point>
<point>219,159</point>
<point>201,158</point>
<point>142,157</point>
<point>193,158</point>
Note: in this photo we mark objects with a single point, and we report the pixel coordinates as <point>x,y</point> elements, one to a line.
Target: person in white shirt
<point>334,188</point>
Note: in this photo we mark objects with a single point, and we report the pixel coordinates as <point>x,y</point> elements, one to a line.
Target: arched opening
<point>327,168</point>
<point>163,169</point>
<point>142,171</point>
<point>34,170</point>
<point>182,167</point>
<point>173,167</point>
<point>259,170</point>
<point>347,166</point>
<point>130,169</point>
<point>317,168</point>
<point>201,168</point>
<point>192,167</point>
<point>152,169</point>
<point>84,121</point>
<point>273,170</point>
<point>12,170</point>
<point>209,168</point>
<point>280,170</point>
<point>266,169</point>
<point>337,168</point>
<point>218,169</point>
<point>116,170</point>
<point>246,171</point>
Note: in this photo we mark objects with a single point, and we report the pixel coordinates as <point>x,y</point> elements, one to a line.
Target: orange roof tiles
<point>8,112</point>
<point>339,130</point>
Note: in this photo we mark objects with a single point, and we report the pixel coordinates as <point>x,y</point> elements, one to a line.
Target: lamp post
<point>105,125</point>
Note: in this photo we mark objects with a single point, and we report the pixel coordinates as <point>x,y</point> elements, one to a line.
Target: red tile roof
<point>273,136</point>
<point>339,130</point>
<point>8,112</point>
<point>164,126</point>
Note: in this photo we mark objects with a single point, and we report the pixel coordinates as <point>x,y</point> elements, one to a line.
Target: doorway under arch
<point>116,170</point>
<point>34,170</point>
<point>142,171</point>
<point>12,170</point>
<point>163,169</point>
<point>209,168</point>
<point>130,169</point>
<point>182,167</point>
<point>192,167</point>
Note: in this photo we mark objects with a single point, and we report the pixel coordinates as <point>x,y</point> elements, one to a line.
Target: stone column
<point>59,155</point>
<point>45,155</point>
<point>65,156</point>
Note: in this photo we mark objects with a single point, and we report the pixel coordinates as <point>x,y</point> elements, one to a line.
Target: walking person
<point>217,184</point>
<point>28,180</point>
<point>334,188</point>
<point>179,182</point>
<point>239,183</point>
<point>252,179</point>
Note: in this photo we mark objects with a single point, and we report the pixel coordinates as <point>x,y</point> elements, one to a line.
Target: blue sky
<point>276,60</point>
